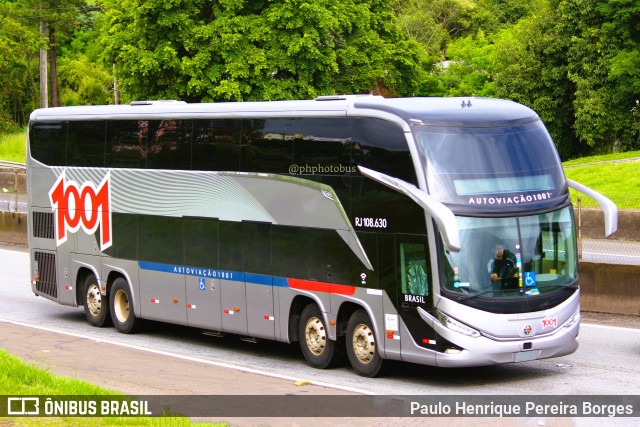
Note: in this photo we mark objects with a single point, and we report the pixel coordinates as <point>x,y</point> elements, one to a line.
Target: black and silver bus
<point>437,231</point>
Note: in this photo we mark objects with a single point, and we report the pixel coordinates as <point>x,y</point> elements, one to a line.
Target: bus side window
<point>169,144</point>
<point>216,145</point>
<point>382,146</point>
<point>48,142</point>
<point>127,144</point>
<point>86,143</point>
<point>413,269</point>
<point>157,240</point>
<point>266,146</point>
<point>324,143</point>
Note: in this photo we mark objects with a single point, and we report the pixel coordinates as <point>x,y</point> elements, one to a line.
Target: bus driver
<point>502,265</point>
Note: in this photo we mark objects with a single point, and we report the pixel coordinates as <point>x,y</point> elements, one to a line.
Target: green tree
<point>531,68</point>
<point>469,68</point>
<point>206,50</point>
<point>71,41</point>
<point>434,23</point>
<point>604,63</point>
<point>84,79</point>
<point>19,45</point>
<point>491,16</point>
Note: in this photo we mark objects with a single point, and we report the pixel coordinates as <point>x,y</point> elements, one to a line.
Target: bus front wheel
<point>96,306</point>
<point>122,307</point>
<point>319,351</point>
<point>361,345</point>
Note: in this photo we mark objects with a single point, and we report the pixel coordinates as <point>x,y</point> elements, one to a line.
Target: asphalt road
<point>173,360</point>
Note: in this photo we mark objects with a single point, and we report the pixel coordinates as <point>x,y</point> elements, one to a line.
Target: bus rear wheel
<point>319,351</point>
<point>361,345</point>
<point>121,305</point>
<point>96,306</point>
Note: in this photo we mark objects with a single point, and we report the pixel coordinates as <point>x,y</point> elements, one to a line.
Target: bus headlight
<point>456,326</point>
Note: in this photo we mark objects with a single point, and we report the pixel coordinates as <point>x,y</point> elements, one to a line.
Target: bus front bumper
<point>482,350</point>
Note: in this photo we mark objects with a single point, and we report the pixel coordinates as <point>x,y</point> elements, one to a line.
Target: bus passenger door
<point>233,300</point>
<point>162,293</point>
<point>258,281</point>
<point>203,288</point>
<point>415,292</point>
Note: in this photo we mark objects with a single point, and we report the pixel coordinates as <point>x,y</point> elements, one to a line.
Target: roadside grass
<point>610,175</point>
<point>20,379</point>
<point>13,146</point>
<point>602,158</point>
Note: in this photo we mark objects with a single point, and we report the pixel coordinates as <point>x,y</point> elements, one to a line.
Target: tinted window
<point>127,144</point>
<point>325,143</point>
<point>257,247</point>
<point>159,239</point>
<point>395,212</point>
<point>48,142</point>
<point>201,242</point>
<point>169,144</point>
<point>492,163</point>
<point>86,143</point>
<point>267,147</point>
<point>231,241</point>
<point>381,146</point>
<point>216,145</point>
<point>314,254</point>
<point>125,236</point>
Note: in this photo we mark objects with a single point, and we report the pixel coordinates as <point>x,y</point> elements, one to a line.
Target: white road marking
<point>617,328</point>
<point>195,359</point>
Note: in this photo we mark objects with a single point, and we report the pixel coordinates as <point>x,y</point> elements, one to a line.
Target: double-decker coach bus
<point>436,231</point>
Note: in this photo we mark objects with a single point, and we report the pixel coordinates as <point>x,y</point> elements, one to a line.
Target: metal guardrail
<point>12,165</point>
<point>610,251</point>
<point>12,186</point>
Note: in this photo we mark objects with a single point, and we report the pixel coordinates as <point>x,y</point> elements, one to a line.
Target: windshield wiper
<point>523,290</point>
<point>466,297</point>
<point>569,286</point>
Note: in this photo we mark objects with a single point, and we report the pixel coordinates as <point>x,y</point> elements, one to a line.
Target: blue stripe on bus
<point>214,273</point>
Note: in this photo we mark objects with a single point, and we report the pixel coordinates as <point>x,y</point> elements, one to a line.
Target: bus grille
<point>43,225</point>
<point>47,283</point>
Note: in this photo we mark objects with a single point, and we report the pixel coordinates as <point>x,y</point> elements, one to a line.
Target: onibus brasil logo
<point>82,206</point>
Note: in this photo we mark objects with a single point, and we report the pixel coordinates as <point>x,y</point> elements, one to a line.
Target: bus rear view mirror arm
<point>443,216</point>
<point>608,207</point>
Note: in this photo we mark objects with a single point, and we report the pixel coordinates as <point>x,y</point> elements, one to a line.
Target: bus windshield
<point>491,168</point>
<point>515,257</point>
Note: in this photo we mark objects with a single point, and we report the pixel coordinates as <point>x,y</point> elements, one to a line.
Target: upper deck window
<point>491,167</point>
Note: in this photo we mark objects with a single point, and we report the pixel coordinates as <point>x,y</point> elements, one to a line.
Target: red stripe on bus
<point>332,288</point>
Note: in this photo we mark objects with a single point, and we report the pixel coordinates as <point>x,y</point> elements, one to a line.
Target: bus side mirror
<point>444,218</point>
<point>608,207</point>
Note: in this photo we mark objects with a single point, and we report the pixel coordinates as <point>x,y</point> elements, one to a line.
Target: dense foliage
<point>575,62</point>
<point>207,50</point>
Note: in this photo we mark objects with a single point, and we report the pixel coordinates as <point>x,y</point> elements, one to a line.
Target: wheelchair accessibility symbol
<point>201,284</point>
<point>530,278</point>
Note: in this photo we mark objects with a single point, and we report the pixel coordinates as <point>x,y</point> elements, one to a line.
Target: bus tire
<point>319,351</point>
<point>362,348</point>
<point>121,305</point>
<point>96,306</point>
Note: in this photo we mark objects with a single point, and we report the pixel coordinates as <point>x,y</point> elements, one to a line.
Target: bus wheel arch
<point>95,304</point>
<point>318,349</point>
<point>297,305</point>
<point>121,305</point>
